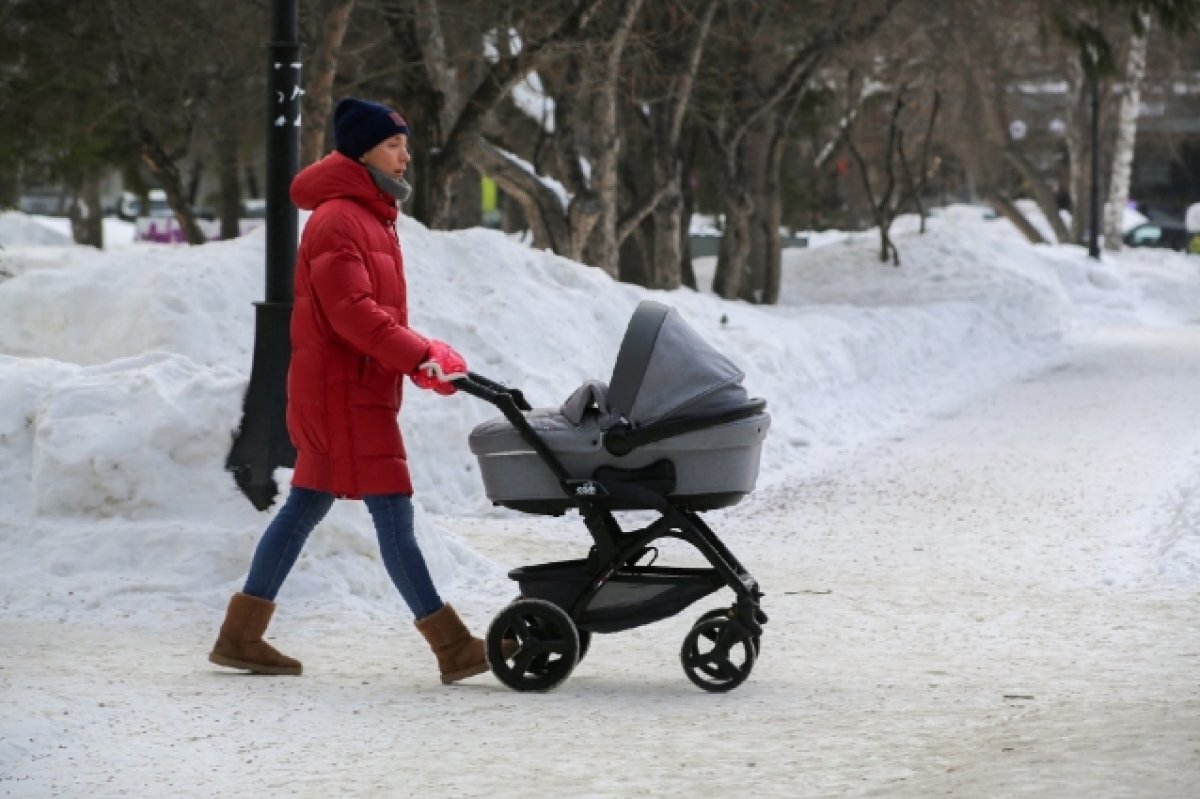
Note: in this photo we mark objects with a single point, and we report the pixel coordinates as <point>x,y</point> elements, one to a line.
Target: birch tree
<point>1127,113</point>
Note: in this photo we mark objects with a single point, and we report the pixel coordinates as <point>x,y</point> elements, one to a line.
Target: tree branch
<point>503,76</point>
<point>805,62</point>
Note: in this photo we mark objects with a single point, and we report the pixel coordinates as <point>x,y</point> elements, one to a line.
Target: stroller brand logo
<point>586,490</point>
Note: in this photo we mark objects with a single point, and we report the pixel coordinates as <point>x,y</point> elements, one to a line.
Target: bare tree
<point>137,56</point>
<point>462,125</point>
<point>1006,73</point>
<point>594,221</point>
<point>665,69</point>
<point>1127,113</point>
<point>175,74</point>
<point>742,130</point>
<point>322,68</point>
<point>900,187</point>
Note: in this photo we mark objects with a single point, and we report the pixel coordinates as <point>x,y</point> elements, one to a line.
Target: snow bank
<point>18,229</point>
<point>104,305</point>
<point>123,372</point>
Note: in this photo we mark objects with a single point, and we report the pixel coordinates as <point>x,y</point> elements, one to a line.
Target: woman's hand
<point>440,367</point>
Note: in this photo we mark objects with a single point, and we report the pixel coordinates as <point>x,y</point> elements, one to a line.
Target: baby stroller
<point>674,432</point>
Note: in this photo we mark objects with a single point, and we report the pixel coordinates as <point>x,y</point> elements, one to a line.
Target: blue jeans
<point>304,508</point>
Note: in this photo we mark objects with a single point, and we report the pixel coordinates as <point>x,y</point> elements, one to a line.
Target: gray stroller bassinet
<point>674,418</point>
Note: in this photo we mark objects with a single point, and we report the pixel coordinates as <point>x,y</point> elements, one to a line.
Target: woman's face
<point>390,155</point>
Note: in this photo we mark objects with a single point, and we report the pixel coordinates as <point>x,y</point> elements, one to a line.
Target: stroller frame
<point>562,603</point>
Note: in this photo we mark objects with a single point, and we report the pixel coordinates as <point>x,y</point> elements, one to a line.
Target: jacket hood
<point>336,177</point>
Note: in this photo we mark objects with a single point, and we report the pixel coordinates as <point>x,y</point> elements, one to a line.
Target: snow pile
<point>18,229</point>
<point>123,373</point>
<point>197,302</point>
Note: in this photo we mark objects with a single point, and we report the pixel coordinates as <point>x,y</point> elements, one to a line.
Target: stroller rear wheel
<point>718,654</point>
<point>547,645</point>
<point>585,635</point>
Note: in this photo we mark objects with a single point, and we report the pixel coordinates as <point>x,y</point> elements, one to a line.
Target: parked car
<point>44,200</point>
<point>156,221</point>
<point>1157,234</point>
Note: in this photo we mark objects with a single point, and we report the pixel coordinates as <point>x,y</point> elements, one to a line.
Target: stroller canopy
<point>664,369</point>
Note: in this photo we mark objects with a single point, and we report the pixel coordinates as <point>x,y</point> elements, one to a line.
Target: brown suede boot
<point>459,654</point>
<point>240,644</point>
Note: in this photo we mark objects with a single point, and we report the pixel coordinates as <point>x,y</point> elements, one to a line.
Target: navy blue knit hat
<point>359,125</point>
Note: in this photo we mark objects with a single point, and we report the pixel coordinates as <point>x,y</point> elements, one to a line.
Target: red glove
<point>440,364</point>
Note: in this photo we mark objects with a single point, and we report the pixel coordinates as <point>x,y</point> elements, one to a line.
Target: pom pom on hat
<point>359,125</point>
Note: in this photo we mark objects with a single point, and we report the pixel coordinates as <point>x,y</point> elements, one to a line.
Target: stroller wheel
<point>718,654</point>
<point>547,645</point>
<point>727,613</point>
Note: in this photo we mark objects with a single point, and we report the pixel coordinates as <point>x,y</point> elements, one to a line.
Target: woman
<point>351,348</point>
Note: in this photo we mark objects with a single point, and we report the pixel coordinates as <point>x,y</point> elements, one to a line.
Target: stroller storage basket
<point>631,597</point>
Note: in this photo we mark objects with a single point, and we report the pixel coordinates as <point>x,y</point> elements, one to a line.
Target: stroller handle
<point>489,390</point>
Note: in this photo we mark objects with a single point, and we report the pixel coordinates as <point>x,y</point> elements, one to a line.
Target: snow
<point>977,525</point>
<point>552,185</point>
<point>22,229</point>
<point>531,98</point>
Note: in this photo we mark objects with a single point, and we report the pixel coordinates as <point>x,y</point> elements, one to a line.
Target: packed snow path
<point>985,607</point>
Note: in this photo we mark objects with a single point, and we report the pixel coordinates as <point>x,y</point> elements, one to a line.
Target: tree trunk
<point>1040,191</point>
<point>167,172</point>
<point>463,136</point>
<point>1122,163</point>
<point>466,201</point>
<point>990,94</point>
<point>636,254</point>
<point>87,218</point>
<point>733,256</point>
<point>670,260</point>
<point>883,209</point>
<point>773,278</point>
<point>688,182</point>
<point>599,233</point>
<point>1078,148</point>
<point>1006,208</point>
<point>318,97</point>
<point>687,273</point>
<point>541,206</point>
<point>665,270</point>
<point>251,179</point>
<point>764,235</point>
<point>228,181</point>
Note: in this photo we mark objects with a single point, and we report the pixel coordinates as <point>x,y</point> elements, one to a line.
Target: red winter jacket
<point>351,345</point>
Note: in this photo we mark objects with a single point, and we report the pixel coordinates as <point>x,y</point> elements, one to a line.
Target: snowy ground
<point>978,529</point>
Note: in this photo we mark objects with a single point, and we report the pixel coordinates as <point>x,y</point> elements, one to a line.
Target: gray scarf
<point>398,188</point>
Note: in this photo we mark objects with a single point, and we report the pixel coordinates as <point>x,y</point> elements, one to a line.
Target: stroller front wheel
<point>718,654</point>
<point>727,613</point>
<point>547,645</point>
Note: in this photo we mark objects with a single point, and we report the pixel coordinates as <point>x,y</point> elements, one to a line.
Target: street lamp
<point>262,443</point>
<point>1094,227</point>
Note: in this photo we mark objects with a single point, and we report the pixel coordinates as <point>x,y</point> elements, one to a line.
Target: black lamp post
<point>262,444</point>
<point>1094,231</point>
